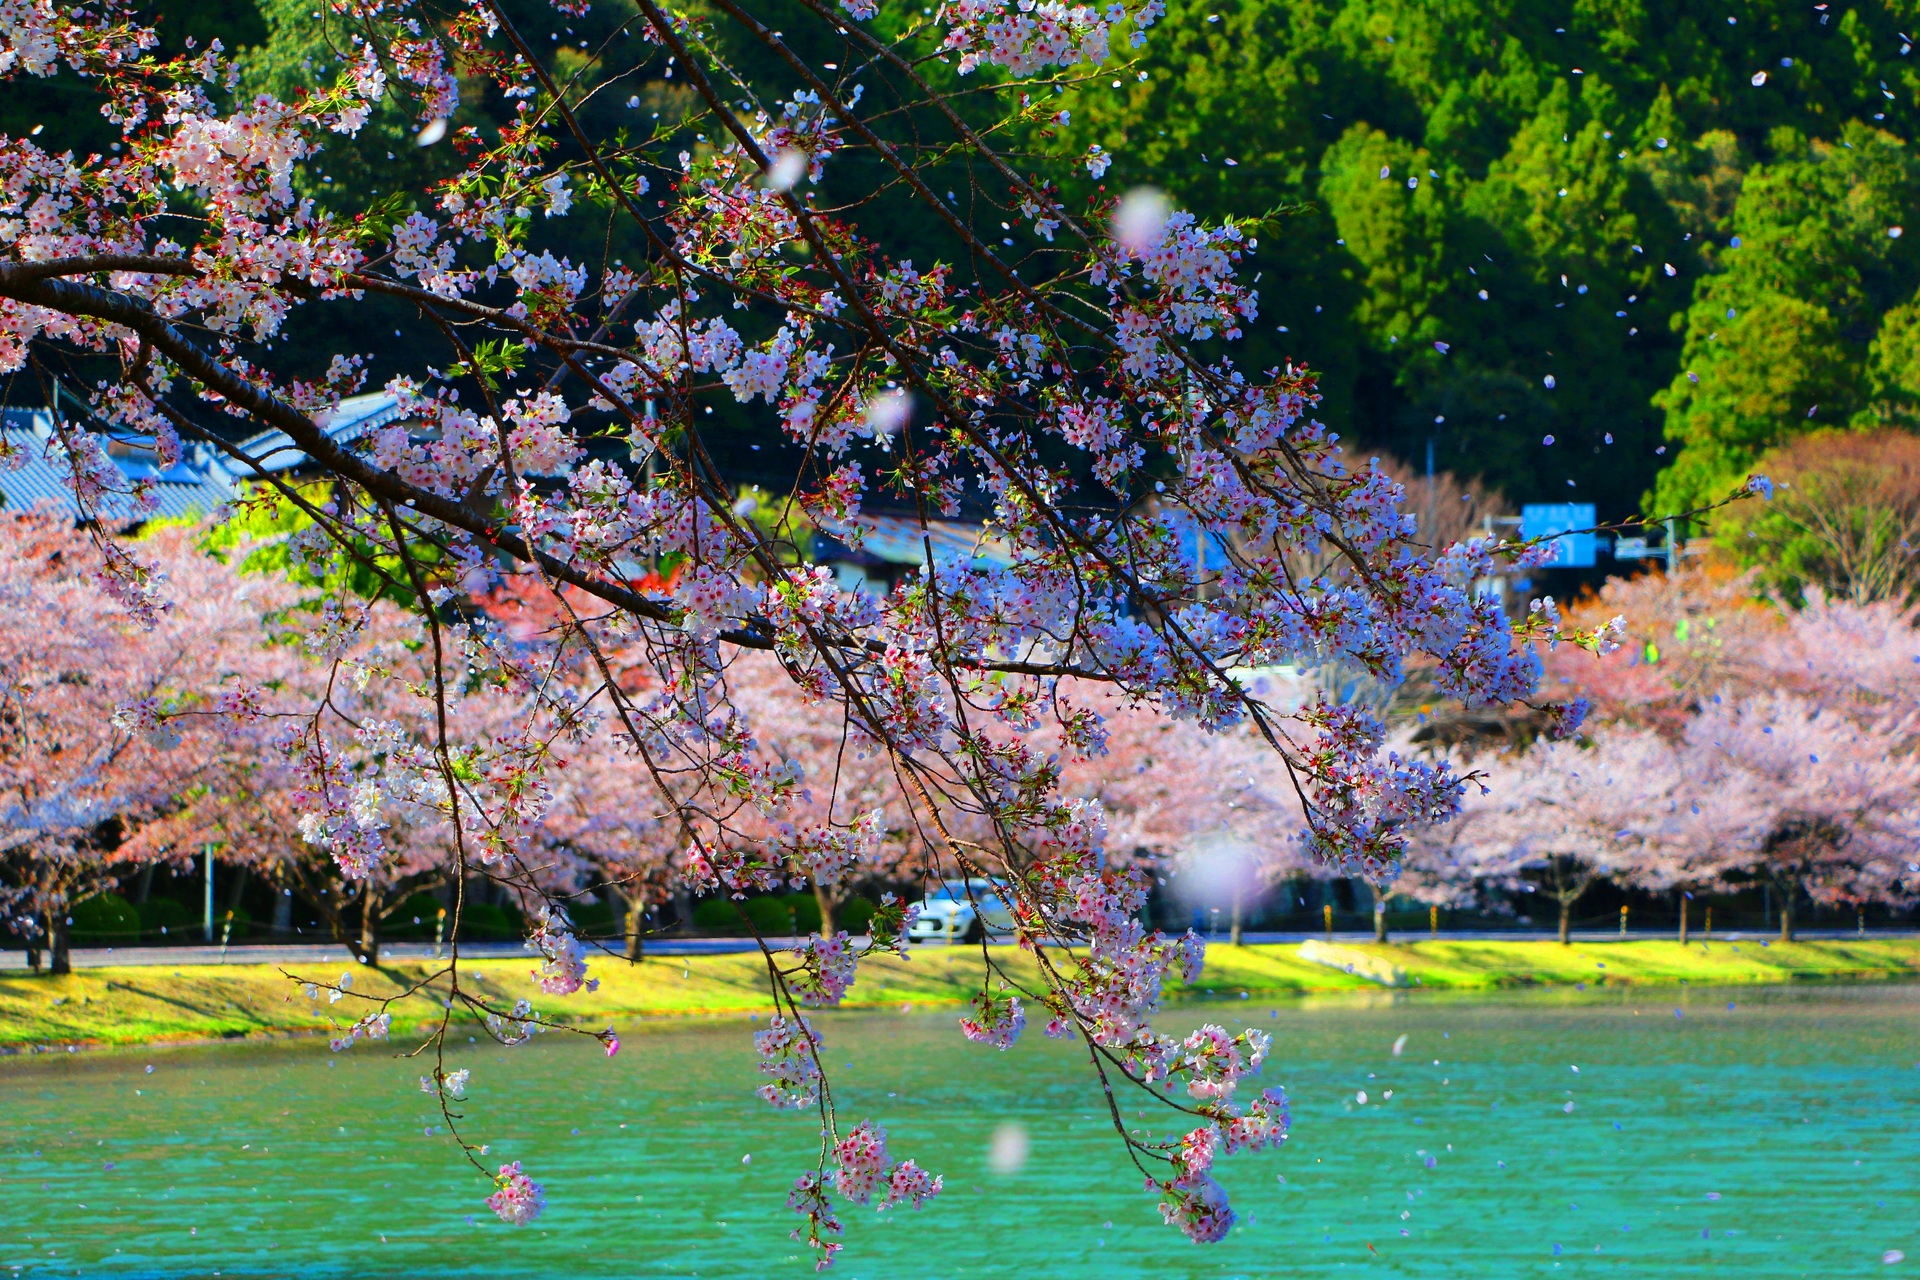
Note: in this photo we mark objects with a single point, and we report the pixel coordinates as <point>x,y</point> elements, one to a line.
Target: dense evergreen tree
<point>1786,337</point>
<point>1549,189</point>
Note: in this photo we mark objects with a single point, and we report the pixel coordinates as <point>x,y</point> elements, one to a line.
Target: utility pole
<point>1426,530</point>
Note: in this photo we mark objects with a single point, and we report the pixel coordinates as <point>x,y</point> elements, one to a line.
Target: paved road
<point>100,957</point>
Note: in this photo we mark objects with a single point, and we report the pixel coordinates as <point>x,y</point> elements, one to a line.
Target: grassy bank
<point>146,1004</point>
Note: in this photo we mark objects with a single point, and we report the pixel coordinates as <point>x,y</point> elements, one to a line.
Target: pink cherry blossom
<point>517,1199</point>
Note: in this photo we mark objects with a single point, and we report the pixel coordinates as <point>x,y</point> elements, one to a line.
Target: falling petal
<point>887,413</point>
<point>1141,218</point>
<point>786,170</point>
<point>1007,1154</point>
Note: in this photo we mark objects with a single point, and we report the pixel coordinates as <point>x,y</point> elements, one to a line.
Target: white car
<point>963,911</point>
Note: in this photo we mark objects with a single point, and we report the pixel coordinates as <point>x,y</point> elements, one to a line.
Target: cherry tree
<point>1214,809</point>
<point>560,435</point>
<point>1556,819</point>
<point>867,819</point>
<point>1826,804</point>
<point>1791,732</point>
<point>1443,865</point>
<point>1859,659</point>
<point>93,783</point>
<point>602,816</point>
<point>1699,830</point>
<point>1686,635</point>
<point>607,810</point>
<point>340,720</point>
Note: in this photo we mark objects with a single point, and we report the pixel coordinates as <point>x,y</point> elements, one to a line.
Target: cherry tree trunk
<point>1379,917</point>
<point>825,899</point>
<point>1566,920</point>
<point>1786,915</point>
<point>636,925</point>
<point>369,948</point>
<point>59,947</point>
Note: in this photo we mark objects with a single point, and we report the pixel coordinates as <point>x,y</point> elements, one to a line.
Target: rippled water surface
<point>1761,1134</point>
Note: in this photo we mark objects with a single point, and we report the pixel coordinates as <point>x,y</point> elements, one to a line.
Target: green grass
<point>155,1004</point>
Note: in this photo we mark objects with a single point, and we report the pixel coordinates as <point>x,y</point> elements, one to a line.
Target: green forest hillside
<point>1686,214</point>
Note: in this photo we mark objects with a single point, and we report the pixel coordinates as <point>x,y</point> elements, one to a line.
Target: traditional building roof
<point>192,487</point>
<point>351,421</point>
<point>899,540</point>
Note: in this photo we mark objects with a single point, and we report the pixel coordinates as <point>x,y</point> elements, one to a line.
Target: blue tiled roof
<point>351,421</point>
<point>181,490</point>
<point>900,540</point>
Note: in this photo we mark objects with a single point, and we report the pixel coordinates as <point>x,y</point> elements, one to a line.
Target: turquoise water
<point>1777,1137</point>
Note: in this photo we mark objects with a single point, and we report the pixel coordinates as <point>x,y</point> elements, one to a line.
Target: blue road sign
<point>1545,519</point>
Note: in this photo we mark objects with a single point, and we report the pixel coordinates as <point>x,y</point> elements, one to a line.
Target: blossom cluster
<point>827,968</point>
<point>998,1020</point>
<point>789,1051</point>
<point>563,959</point>
<point>517,1198</point>
<point>1195,1202</point>
<point>517,1026</point>
<point>1027,37</point>
<point>446,1084</point>
<point>864,1170</point>
<point>373,1026</point>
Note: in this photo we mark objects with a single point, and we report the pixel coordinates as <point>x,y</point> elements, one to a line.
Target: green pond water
<point>1764,1133</point>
